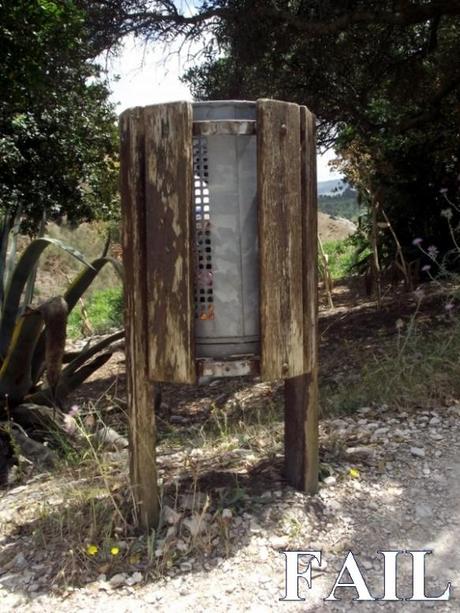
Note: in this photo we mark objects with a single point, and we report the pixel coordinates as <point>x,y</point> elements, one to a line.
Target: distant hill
<point>334,228</point>
<point>338,199</point>
<point>329,188</point>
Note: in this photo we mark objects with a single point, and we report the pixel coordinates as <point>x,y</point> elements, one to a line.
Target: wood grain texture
<point>280,239</point>
<point>301,393</point>
<point>170,270</point>
<point>141,416</point>
<point>310,256</point>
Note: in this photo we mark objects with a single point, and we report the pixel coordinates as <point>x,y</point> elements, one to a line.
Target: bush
<point>99,315</point>
<point>341,257</point>
<point>421,369</point>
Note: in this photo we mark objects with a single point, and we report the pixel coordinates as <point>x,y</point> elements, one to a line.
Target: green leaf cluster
<point>58,136</point>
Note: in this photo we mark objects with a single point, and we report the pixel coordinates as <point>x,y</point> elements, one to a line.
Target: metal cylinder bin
<point>226,294</point>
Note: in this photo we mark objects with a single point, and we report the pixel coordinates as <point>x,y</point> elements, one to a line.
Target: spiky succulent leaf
<point>88,353</point>
<point>74,292</point>
<point>68,384</point>
<point>86,277</point>
<point>15,373</point>
<point>18,281</point>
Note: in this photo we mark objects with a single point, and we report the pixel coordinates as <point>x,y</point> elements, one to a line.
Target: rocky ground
<point>390,481</point>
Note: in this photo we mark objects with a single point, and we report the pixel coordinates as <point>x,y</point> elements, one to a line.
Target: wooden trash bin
<point>219,240</point>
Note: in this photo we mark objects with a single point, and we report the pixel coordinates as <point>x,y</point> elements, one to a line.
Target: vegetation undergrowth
<point>341,257</point>
<point>86,519</point>
<point>101,313</point>
<point>420,368</point>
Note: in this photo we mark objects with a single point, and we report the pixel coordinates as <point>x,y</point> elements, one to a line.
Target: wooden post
<point>301,393</point>
<point>141,415</point>
<point>279,195</point>
<point>169,238</point>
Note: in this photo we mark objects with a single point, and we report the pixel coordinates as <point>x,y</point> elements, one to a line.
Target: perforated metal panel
<point>226,237</point>
<point>204,300</point>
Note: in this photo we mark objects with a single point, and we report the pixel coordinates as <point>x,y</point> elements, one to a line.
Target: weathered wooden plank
<point>301,393</point>
<point>310,237</point>
<point>169,210</point>
<point>280,239</point>
<point>141,416</point>
<point>224,126</point>
<point>310,256</point>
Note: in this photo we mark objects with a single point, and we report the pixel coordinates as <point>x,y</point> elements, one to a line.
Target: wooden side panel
<point>168,191</point>
<point>310,258</point>
<point>142,431</point>
<point>301,393</point>
<point>280,239</point>
<point>310,237</point>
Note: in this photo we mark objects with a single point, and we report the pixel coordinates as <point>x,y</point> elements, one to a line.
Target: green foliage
<point>385,92</point>
<point>421,369</point>
<point>340,205</point>
<point>58,138</point>
<point>104,311</point>
<point>32,338</point>
<point>341,257</point>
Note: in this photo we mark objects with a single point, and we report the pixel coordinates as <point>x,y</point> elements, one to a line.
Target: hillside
<point>334,228</point>
<point>338,199</point>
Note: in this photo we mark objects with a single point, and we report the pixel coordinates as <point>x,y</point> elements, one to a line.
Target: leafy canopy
<point>57,129</point>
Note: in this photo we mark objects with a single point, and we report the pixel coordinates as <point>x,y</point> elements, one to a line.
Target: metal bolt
<point>283,128</point>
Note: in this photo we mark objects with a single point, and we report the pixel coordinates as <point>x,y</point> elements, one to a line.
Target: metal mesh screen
<point>204,299</point>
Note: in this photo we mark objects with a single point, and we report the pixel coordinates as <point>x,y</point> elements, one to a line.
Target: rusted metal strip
<point>228,368</point>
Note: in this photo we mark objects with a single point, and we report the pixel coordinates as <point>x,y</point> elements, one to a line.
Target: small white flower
<point>447,213</point>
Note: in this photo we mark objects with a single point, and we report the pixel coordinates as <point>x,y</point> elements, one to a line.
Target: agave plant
<point>35,372</point>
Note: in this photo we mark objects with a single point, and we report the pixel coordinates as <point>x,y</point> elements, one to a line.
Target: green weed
<point>101,313</point>
<point>421,369</point>
<point>340,256</point>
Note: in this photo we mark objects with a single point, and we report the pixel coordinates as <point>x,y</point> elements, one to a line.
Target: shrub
<point>99,315</point>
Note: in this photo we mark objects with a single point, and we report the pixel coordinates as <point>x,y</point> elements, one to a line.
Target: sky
<point>140,76</point>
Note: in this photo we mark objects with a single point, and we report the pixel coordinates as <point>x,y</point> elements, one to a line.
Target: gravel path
<point>394,484</point>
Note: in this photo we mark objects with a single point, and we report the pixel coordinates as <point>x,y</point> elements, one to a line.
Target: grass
<point>341,257</point>
<point>85,522</point>
<point>420,368</point>
<point>102,312</point>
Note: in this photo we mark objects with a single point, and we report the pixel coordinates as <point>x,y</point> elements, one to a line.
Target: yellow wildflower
<point>354,473</point>
<point>115,551</point>
<point>92,550</point>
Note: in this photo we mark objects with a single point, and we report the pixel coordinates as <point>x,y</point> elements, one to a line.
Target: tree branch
<point>161,18</point>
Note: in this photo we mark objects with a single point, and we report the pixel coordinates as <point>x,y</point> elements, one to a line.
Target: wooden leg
<point>140,390</point>
<point>143,449</point>
<point>301,432</point>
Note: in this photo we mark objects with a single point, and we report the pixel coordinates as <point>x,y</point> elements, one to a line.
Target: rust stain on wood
<point>168,192</point>
<point>141,416</point>
<point>280,232</point>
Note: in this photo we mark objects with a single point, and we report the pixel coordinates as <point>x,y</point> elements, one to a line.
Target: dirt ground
<point>390,480</point>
